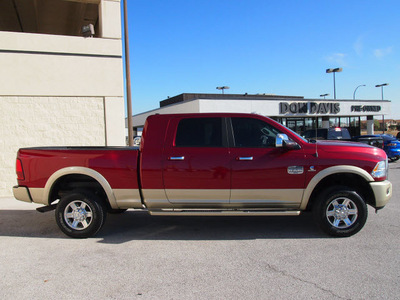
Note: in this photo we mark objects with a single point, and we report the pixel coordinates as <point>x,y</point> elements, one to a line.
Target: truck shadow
<point>141,226</point>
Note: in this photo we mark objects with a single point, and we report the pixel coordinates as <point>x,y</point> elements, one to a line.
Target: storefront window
<point>344,122</point>
<point>334,122</point>
<point>296,124</point>
<point>300,125</point>
<point>309,123</point>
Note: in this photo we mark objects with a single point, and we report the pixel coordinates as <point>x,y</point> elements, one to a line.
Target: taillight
<point>392,145</point>
<point>20,170</point>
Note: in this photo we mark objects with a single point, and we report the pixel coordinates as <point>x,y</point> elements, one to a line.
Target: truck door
<point>263,175</point>
<point>196,162</point>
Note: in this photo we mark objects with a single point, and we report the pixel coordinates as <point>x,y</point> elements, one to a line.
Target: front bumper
<point>382,191</point>
<point>22,193</point>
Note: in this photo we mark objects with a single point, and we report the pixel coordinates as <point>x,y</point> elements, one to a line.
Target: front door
<point>196,162</point>
<point>263,175</point>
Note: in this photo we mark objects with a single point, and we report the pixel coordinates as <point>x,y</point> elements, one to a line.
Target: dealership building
<point>297,113</point>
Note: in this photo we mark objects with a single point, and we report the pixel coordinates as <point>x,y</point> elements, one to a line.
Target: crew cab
<point>206,164</point>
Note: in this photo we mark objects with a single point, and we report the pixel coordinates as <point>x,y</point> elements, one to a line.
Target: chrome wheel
<point>78,215</point>
<point>341,213</point>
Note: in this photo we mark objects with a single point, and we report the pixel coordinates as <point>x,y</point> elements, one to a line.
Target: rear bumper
<point>382,191</point>
<point>22,193</point>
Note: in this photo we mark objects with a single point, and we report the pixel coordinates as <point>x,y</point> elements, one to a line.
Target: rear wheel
<point>340,211</point>
<point>80,214</point>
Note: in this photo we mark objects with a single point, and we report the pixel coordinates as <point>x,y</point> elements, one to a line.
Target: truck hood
<point>335,143</point>
<point>350,147</point>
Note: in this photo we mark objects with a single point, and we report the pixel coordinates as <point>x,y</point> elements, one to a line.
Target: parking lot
<point>137,256</point>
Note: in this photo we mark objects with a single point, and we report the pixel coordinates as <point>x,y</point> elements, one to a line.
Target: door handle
<point>176,158</point>
<point>244,158</point>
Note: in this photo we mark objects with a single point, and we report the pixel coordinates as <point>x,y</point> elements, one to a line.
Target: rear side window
<point>253,133</point>
<point>199,132</point>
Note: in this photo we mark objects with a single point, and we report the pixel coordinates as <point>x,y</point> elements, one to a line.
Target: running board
<point>213,213</point>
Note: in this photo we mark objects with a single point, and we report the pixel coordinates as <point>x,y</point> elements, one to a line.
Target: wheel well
<point>71,182</point>
<point>352,181</point>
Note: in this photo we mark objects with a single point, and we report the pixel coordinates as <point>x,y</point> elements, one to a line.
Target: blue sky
<point>260,46</point>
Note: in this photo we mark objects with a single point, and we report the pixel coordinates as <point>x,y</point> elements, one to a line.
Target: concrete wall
<point>46,121</point>
<point>61,90</point>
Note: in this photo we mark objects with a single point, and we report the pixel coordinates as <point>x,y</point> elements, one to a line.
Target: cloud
<point>380,53</point>
<point>358,45</point>
<point>337,58</point>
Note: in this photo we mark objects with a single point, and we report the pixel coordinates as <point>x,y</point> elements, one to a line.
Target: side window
<point>253,133</point>
<point>199,132</point>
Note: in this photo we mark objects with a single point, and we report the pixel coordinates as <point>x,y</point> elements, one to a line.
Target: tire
<point>340,211</point>
<point>80,214</point>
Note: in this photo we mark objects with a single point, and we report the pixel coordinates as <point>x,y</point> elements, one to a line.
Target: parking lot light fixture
<point>381,86</point>
<point>222,88</point>
<point>334,70</point>
<point>354,94</point>
<point>383,116</point>
<point>324,95</point>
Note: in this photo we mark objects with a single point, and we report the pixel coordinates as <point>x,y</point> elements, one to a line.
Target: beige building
<point>59,88</point>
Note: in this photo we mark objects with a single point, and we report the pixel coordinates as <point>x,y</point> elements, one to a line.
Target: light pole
<point>128,77</point>
<point>222,88</point>
<point>335,70</point>
<point>324,95</point>
<point>354,94</point>
<point>383,116</point>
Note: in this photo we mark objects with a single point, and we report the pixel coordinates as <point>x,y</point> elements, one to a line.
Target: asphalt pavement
<point>137,256</point>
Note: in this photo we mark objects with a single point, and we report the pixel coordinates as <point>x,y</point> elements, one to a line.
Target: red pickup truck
<point>208,165</point>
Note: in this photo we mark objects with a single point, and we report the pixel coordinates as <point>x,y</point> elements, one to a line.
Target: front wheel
<point>340,211</point>
<point>80,214</point>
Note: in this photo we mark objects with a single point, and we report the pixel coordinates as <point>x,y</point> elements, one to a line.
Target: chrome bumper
<point>22,193</point>
<point>382,191</point>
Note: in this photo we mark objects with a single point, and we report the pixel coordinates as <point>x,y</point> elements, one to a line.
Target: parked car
<point>391,146</point>
<point>336,133</point>
<point>373,140</point>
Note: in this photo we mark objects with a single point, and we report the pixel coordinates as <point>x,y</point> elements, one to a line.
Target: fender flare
<point>81,171</point>
<point>330,171</point>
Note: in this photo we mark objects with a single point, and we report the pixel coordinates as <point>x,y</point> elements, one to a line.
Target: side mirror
<point>136,141</point>
<point>282,141</point>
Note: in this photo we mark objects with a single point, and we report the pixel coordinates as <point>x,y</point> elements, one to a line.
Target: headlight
<point>380,171</point>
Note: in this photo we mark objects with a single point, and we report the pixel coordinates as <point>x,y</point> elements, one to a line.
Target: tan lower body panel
<point>212,198</point>
<point>127,198</point>
<point>267,197</point>
<point>198,196</point>
<point>38,196</point>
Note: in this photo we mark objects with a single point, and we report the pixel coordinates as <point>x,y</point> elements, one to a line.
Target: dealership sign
<point>309,108</point>
<point>366,108</point>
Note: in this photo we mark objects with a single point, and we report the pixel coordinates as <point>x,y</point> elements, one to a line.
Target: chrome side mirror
<point>283,141</point>
<point>280,138</point>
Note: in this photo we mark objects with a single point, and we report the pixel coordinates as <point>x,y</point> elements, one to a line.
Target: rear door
<point>196,162</point>
<point>263,175</point>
